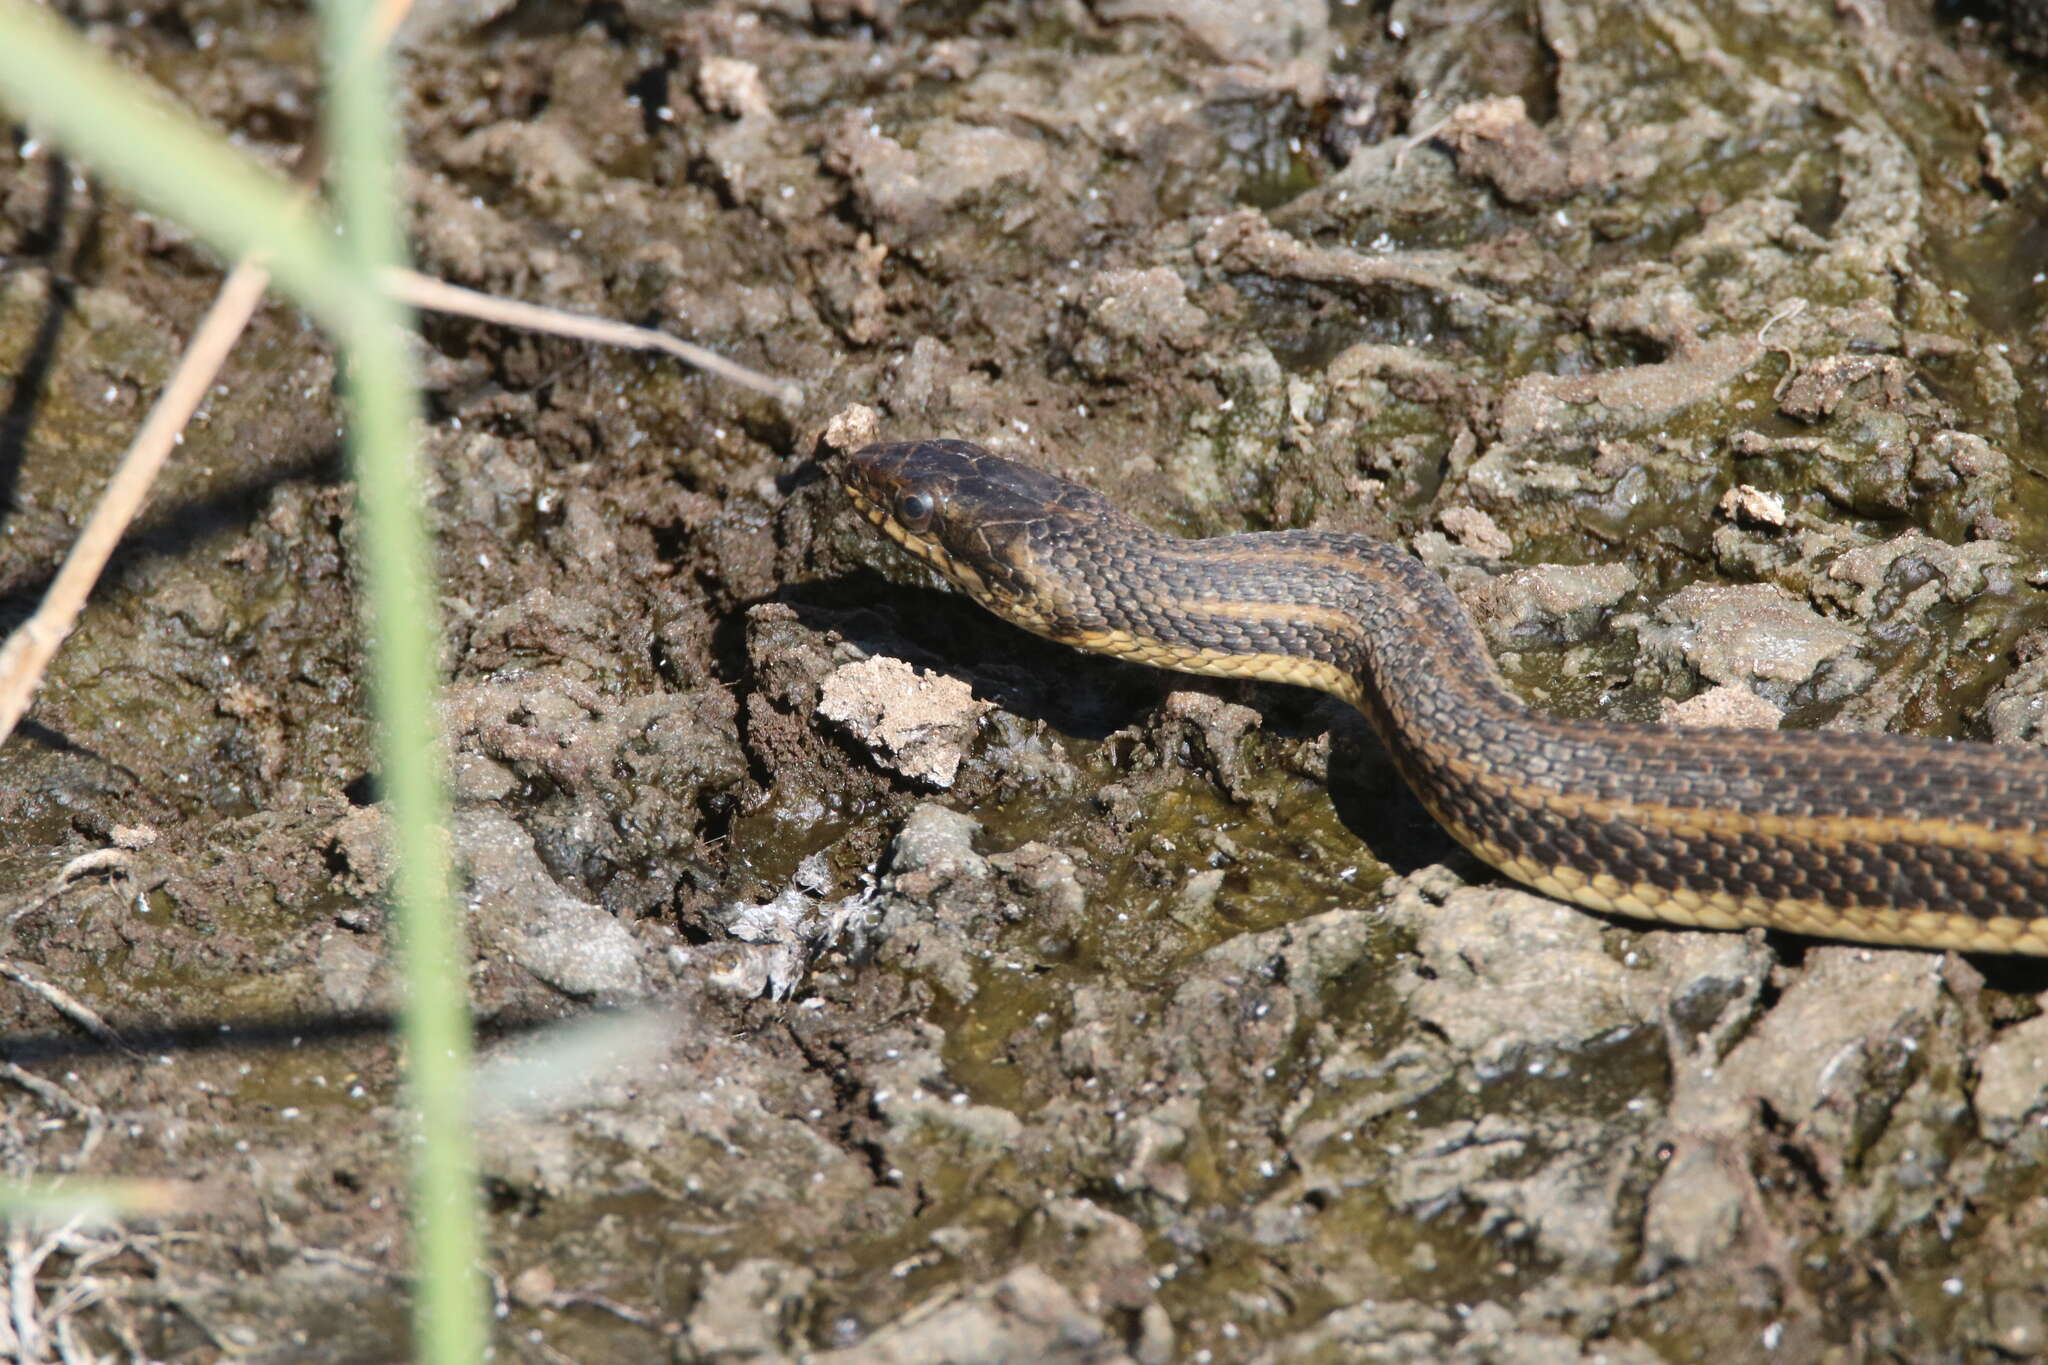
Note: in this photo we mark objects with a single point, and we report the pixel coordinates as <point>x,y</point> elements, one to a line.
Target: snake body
<point>1871,837</point>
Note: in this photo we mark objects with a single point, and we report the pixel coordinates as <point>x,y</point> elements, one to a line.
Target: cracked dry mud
<point>990,1002</point>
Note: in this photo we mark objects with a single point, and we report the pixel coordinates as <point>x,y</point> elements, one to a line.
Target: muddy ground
<point>988,1002</point>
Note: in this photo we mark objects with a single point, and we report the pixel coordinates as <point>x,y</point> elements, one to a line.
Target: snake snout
<point>873,473</point>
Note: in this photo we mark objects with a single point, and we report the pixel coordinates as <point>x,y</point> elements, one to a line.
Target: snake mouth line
<point>928,551</point>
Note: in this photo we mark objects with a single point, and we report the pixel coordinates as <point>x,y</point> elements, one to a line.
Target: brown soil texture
<point>917,990</point>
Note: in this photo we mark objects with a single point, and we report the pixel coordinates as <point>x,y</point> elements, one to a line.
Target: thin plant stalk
<point>449,1318</point>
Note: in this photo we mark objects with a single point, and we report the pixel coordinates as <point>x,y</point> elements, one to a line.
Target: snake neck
<point>1344,614</point>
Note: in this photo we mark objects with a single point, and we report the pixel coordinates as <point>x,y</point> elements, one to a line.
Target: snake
<point>1867,837</point>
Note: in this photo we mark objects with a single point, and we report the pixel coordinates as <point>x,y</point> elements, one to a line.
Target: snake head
<point>969,514</point>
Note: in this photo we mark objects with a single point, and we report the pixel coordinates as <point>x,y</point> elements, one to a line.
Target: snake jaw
<point>924,547</point>
<point>874,492</point>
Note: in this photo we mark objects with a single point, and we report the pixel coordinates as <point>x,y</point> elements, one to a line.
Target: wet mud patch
<point>971,999</point>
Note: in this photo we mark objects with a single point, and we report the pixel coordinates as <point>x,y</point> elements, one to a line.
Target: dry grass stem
<point>110,861</point>
<point>29,650</point>
<point>62,1001</point>
<point>57,1097</point>
<point>28,1321</point>
<point>27,653</point>
<point>33,1328</point>
<point>426,292</point>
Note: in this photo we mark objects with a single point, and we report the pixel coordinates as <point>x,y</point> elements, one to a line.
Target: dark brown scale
<point>1883,822</point>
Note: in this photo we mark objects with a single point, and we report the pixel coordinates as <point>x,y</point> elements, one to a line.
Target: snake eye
<point>914,510</point>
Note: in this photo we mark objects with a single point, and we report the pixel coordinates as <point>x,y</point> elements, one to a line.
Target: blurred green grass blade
<point>95,1201</point>
<point>167,161</point>
<point>448,1303</point>
<point>562,1066</point>
<point>55,82</point>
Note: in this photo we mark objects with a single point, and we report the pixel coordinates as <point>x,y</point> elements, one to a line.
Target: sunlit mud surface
<point>982,1001</point>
